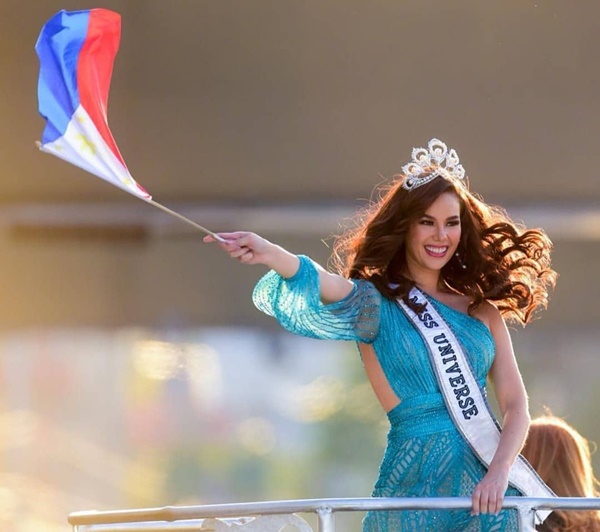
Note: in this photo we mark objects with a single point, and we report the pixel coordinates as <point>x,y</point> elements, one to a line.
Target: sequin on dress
<point>425,455</point>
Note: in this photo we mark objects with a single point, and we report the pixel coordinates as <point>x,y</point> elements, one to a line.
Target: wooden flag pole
<point>184,219</point>
<point>39,146</point>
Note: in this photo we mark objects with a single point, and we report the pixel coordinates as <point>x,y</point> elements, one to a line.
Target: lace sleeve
<point>296,304</point>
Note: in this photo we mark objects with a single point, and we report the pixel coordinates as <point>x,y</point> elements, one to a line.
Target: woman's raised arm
<point>250,248</point>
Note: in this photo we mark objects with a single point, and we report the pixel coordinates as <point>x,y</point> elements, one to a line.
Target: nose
<point>440,232</point>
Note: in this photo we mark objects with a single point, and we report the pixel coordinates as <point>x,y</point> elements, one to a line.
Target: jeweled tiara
<point>427,164</point>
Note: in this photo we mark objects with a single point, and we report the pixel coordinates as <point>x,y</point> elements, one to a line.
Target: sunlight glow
<point>156,360</point>
<point>257,435</point>
<point>317,400</point>
<point>204,372</point>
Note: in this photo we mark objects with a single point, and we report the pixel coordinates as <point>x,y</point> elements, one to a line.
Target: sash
<point>465,401</point>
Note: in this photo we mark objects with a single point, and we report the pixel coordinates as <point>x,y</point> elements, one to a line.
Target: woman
<point>427,246</point>
<point>562,458</point>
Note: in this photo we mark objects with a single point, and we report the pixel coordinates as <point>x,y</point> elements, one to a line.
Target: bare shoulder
<point>489,315</point>
<point>486,312</point>
<point>453,300</point>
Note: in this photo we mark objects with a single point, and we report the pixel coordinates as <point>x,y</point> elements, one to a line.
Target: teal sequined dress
<point>425,454</point>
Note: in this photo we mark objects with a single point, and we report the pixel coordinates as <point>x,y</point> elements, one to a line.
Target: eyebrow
<point>454,217</point>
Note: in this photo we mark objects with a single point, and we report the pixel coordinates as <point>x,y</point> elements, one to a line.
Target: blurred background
<point>135,371</point>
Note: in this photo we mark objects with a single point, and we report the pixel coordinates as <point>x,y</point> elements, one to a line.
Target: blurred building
<point>126,343</point>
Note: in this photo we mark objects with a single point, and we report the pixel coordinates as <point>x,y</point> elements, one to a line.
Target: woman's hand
<point>488,496</point>
<point>249,248</point>
<point>512,403</point>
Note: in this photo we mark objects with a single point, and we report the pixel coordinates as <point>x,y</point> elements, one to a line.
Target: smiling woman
<point>434,237</point>
<point>425,282</point>
<point>495,259</point>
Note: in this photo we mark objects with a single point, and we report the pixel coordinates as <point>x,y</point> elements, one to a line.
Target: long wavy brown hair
<point>562,458</point>
<point>497,260</point>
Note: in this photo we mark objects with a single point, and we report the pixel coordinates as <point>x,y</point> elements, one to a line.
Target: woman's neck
<point>427,281</point>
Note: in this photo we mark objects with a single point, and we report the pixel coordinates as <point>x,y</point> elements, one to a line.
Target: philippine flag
<point>76,51</point>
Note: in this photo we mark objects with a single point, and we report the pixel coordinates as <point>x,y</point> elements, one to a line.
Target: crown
<point>437,157</point>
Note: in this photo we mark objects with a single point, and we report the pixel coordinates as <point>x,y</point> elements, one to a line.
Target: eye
<point>425,221</point>
<point>454,223</point>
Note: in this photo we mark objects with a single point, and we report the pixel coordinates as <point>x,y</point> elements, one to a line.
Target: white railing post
<point>526,518</point>
<point>326,519</point>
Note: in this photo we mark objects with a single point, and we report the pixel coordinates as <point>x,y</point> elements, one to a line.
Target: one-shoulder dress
<point>425,454</point>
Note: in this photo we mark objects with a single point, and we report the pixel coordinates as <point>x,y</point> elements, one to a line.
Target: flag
<point>77,51</point>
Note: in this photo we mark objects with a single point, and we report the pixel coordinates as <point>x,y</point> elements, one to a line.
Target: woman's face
<point>432,239</point>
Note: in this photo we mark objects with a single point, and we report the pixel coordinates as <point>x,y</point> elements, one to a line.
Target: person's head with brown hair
<point>562,458</point>
<point>496,259</point>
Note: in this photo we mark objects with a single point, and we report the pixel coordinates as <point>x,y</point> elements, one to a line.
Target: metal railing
<point>273,516</point>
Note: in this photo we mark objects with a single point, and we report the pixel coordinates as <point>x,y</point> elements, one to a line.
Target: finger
<point>475,503</point>
<point>235,235</point>
<point>246,257</point>
<point>483,503</point>
<point>216,237</point>
<point>491,504</point>
<point>247,240</point>
<point>499,503</point>
<point>213,238</point>
<point>237,252</point>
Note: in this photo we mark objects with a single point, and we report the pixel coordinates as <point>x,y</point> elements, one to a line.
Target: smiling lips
<point>436,251</point>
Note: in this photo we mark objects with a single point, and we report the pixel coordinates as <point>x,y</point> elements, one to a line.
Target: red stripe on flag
<point>94,70</point>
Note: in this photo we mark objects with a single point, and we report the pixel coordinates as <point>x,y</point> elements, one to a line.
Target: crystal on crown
<point>427,164</point>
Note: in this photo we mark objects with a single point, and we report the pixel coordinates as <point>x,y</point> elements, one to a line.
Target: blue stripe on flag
<point>58,48</point>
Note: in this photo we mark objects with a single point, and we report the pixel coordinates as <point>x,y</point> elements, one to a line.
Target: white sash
<point>464,399</point>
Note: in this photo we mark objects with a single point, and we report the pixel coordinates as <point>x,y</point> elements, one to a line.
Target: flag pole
<point>40,147</point>
<point>184,219</point>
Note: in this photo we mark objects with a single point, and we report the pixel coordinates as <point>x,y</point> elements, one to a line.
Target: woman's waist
<point>420,415</point>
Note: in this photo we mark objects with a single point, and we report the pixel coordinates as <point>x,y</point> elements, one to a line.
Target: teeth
<point>437,250</point>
